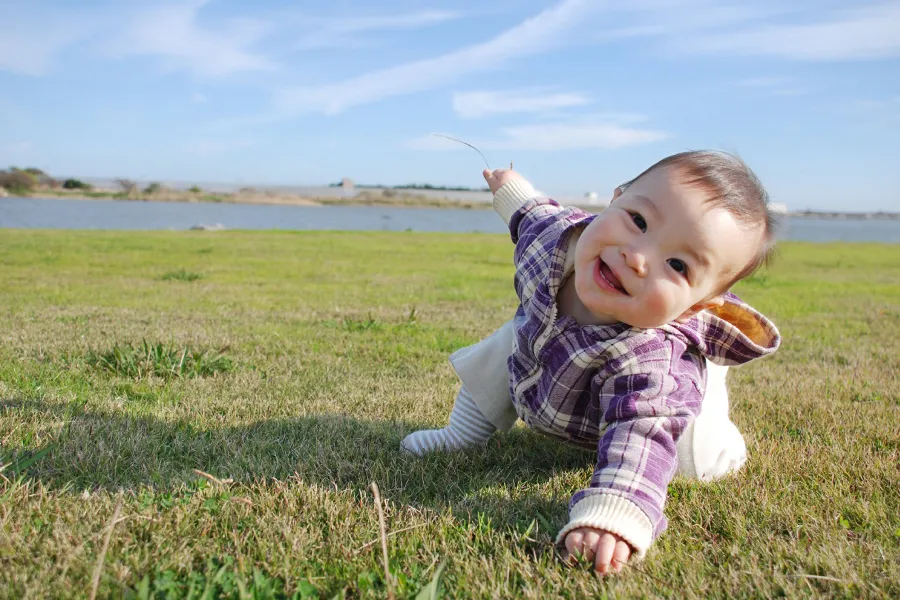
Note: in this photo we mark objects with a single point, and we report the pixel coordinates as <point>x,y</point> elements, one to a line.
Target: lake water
<point>52,213</point>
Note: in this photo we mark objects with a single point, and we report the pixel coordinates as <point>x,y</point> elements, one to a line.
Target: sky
<point>580,95</point>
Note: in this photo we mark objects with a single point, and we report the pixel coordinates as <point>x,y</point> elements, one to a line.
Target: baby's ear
<point>616,193</point>
<point>714,302</point>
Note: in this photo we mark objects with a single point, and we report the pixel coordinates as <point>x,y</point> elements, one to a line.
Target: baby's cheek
<point>661,305</point>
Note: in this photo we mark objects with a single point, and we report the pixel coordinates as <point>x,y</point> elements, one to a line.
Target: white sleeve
<point>511,197</point>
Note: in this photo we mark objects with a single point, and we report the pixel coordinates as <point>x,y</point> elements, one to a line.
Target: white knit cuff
<point>614,514</point>
<point>511,197</point>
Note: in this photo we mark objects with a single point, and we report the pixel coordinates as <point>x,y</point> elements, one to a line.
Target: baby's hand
<point>601,546</point>
<point>497,178</point>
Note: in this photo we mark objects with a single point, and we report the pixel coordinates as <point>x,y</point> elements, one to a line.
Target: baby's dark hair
<point>733,186</point>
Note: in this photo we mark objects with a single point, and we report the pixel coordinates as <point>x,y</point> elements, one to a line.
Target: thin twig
<point>384,551</point>
<point>213,478</point>
<point>100,559</point>
<point>821,577</point>
<point>376,540</point>
<point>467,144</point>
<point>143,517</point>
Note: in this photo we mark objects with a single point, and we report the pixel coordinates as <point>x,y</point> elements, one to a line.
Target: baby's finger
<point>574,543</point>
<point>604,550</point>
<point>589,545</point>
<point>620,555</point>
<point>487,174</point>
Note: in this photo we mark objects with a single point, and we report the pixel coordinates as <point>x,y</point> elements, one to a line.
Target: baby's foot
<point>467,428</point>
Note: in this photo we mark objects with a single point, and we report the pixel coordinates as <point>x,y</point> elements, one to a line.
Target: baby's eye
<point>639,221</point>
<point>679,266</point>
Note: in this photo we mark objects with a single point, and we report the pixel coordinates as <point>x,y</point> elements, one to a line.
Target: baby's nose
<point>636,262</point>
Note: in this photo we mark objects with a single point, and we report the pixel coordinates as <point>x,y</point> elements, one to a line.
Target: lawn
<point>189,413</point>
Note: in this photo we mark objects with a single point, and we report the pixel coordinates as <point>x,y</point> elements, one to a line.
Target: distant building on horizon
<point>593,199</point>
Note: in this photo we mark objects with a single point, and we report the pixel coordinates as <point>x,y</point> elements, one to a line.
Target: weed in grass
<point>12,464</point>
<point>181,275</point>
<point>160,360</point>
<point>366,324</point>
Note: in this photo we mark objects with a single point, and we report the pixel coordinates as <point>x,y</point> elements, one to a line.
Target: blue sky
<point>580,94</point>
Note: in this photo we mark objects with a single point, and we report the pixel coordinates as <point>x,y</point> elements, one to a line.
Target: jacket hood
<point>732,334</point>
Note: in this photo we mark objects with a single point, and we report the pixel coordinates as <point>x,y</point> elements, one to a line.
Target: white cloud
<point>871,32</point>
<point>407,21</point>
<point>346,32</point>
<point>171,32</point>
<point>535,35</point>
<point>30,42</point>
<point>582,135</point>
<point>803,30</point>
<point>473,105</point>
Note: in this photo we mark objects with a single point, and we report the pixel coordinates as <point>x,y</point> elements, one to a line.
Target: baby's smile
<point>606,278</point>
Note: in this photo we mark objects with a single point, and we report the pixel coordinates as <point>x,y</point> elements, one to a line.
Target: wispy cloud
<point>674,18</point>
<point>407,21</point>
<point>869,32</point>
<point>588,134</point>
<point>473,105</point>
<point>347,32</point>
<point>532,36</point>
<point>30,41</point>
<point>172,32</point>
<point>199,98</point>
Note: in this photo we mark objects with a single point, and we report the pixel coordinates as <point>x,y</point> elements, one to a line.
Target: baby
<point>620,315</point>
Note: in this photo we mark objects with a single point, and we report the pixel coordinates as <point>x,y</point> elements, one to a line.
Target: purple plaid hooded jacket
<point>629,392</point>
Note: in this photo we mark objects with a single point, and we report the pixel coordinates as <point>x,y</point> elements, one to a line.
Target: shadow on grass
<point>111,450</point>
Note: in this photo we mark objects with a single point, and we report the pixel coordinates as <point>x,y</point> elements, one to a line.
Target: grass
<point>181,275</point>
<point>253,481</point>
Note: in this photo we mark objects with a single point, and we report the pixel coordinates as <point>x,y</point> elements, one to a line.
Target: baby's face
<point>658,253</point>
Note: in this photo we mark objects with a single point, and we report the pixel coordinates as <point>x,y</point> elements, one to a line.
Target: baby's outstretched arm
<point>604,548</point>
<point>644,407</point>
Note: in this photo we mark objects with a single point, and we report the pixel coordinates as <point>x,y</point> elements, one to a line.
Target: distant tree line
<point>417,186</point>
<point>22,181</point>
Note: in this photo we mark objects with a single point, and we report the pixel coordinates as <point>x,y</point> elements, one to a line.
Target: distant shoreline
<point>365,197</point>
<point>862,216</point>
